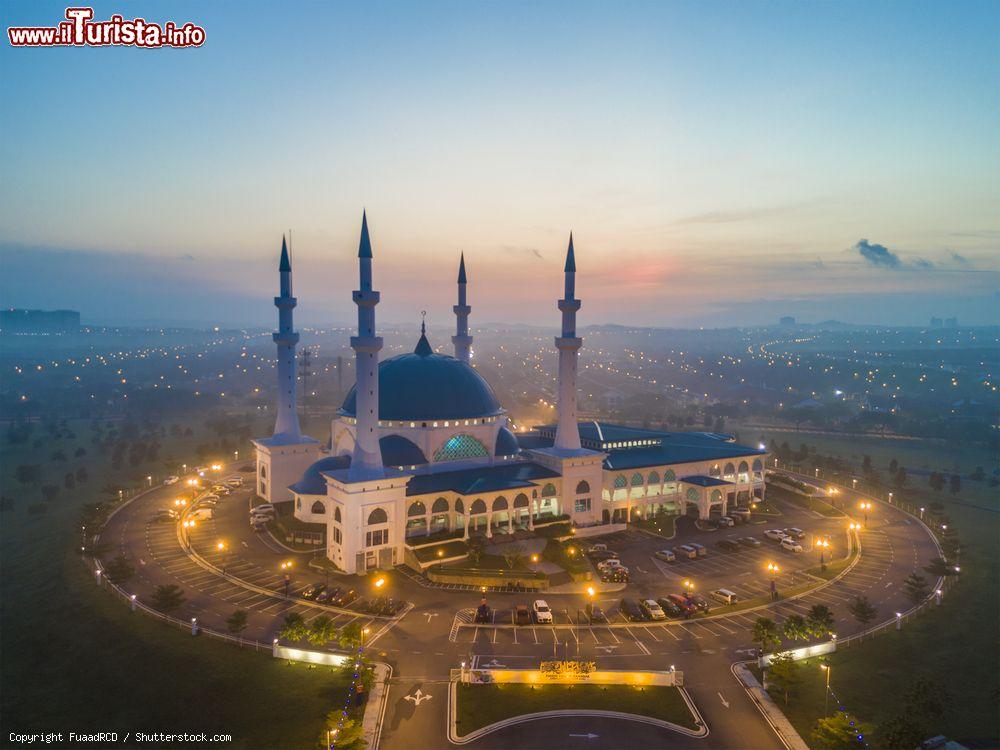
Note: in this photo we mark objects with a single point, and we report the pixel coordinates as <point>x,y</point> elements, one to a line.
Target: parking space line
<point>534,632</point>
<point>651,634</point>
<point>670,631</point>
<point>689,632</point>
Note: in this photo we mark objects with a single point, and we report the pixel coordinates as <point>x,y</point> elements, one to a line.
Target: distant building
<point>786,321</point>
<point>951,322</point>
<point>936,323</point>
<point>14,321</point>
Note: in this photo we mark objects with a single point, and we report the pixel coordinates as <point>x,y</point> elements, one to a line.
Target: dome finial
<point>423,345</point>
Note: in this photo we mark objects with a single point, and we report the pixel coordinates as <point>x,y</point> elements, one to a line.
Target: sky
<point>718,163</point>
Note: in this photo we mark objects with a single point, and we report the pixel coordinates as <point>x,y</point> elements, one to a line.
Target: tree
<point>349,731</point>
<point>866,464</point>
<point>901,477</point>
<point>955,484</point>
<point>119,570</point>
<point>476,545</point>
<point>321,631</point>
<point>820,621</point>
<point>28,474</point>
<point>167,597</point>
<point>915,587</point>
<point>294,627</point>
<point>924,707</point>
<point>893,466</point>
<point>839,732</point>
<point>795,629</point>
<point>50,492</point>
<point>936,481</point>
<point>862,610</point>
<point>938,566</point>
<point>513,554</point>
<point>237,623</point>
<point>901,732</point>
<point>765,632</point>
<point>351,635</point>
<point>784,674</point>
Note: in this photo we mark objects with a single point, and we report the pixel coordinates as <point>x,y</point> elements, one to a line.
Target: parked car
<point>790,545</point>
<point>725,596</point>
<point>344,598</point>
<point>484,613</point>
<point>686,550</point>
<point>670,608</point>
<point>263,508</point>
<point>685,605</point>
<point>599,547</point>
<point>700,549</point>
<point>602,555</point>
<point>522,615</point>
<point>698,601</point>
<point>610,564</point>
<point>667,555</point>
<point>258,525</point>
<point>652,610</point>
<point>540,609</point>
<point>631,610</point>
<point>312,591</point>
<point>616,575</point>
<point>775,535</point>
<point>235,481</point>
<point>324,596</point>
<point>728,545</point>
<point>165,515</point>
<point>749,541</point>
<point>171,480</point>
<point>795,533</point>
<point>725,521</point>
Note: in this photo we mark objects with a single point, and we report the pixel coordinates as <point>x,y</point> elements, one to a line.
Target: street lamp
<point>286,566</point>
<point>773,570</point>
<point>822,544</point>
<point>866,506</point>
<point>590,605</point>
<point>364,634</point>
<point>854,483</point>
<point>826,699</point>
<point>221,546</point>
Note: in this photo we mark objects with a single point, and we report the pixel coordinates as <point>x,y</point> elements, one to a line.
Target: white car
<point>775,535</point>
<point>653,610</point>
<point>666,555</point>
<point>790,545</point>
<point>610,564</point>
<point>235,481</point>
<point>263,508</point>
<point>542,612</point>
<point>171,480</point>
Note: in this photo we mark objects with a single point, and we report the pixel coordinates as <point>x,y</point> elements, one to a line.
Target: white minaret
<point>462,340</point>
<point>366,462</point>
<point>287,423</point>
<point>567,431</point>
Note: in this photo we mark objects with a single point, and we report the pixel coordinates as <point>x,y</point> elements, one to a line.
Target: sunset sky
<point>718,163</point>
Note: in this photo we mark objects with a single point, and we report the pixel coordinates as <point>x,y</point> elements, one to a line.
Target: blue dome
<point>506,443</point>
<point>398,451</point>
<point>312,482</point>
<point>424,385</point>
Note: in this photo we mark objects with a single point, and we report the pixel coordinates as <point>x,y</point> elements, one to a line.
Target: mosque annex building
<point>421,446</point>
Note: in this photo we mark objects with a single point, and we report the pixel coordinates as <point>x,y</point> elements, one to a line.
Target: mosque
<point>421,445</point>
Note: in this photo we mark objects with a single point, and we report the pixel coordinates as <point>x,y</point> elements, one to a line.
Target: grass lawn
<point>954,645</point>
<point>481,705</point>
<point>74,658</point>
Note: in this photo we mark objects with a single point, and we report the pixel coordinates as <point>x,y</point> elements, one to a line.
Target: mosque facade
<point>422,447</point>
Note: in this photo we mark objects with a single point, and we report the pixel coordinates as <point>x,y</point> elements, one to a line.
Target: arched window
<point>459,507</point>
<point>654,477</point>
<point>714,471</point>
<point>263,471</point>
<point>743,467</point>
<point>458,447</point>
<point>521,501</point>
<point>477,507</point>
<point>716,496</point>
<point>583,487</point>
<point>318,508</point>
<point>620,482</point>
<point>417,509</point>
<point>336,514</point>
<point>377,516</point>
<point>758,465</point>
<point>637,480</point>
<point>730,471</point>
<point>549,490</point>
<point>692,495</point>
<point>298,503</point>
<point>669,476</point>
<point>440,506</point>
<point>500,504</point>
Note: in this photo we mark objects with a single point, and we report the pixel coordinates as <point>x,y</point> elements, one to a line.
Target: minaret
<point>366,462</point>
<point>287,422</point>
<point>462,340</point>
<point>567,431</point>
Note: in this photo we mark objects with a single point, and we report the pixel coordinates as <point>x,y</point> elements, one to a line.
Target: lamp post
<point>221,546</point>
<point>364,633</point>
<point>854,484</point>
<point>590,605</point>
<point>822,544</point>
<point>462,679</point>
<point>826,698</point>
<point>773,570</point>
<point>865,506</point>
<point>899,621</point>
<point>286,568</point>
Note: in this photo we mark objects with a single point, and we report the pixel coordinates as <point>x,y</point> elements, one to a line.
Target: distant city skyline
<point>718,165</point>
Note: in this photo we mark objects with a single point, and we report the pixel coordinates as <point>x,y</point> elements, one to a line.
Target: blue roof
<point>480,479</point>
<point>702,481</point>
<point>398,451</point>
<point>424,385</point>
<point>507,444</point>
<point>312,481</point>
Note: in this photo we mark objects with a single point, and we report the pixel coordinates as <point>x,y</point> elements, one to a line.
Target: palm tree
<point>237,623</point>
<point>765,632</point>
<point>795,629</point>
<point>294,627</point>
<point>820,621</point>
<point>862,610</point>
<point>322,631</point>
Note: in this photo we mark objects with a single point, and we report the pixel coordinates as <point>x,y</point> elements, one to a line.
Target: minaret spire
<point>366,462</point>
<point>287,422</point>
<point>567,430</point>
<point>462,340</point>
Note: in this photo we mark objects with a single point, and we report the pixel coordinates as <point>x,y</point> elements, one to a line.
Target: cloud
<point>959,259</point>
<point>877,255</point>
<point>922,263</point>
<point>187,256</point>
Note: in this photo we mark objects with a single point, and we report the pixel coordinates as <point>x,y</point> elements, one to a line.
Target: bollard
<point>937,597</point>
<point>194,626</point>
<point>899,621</point>
<point>97,576</point>
<point>131,601</point>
